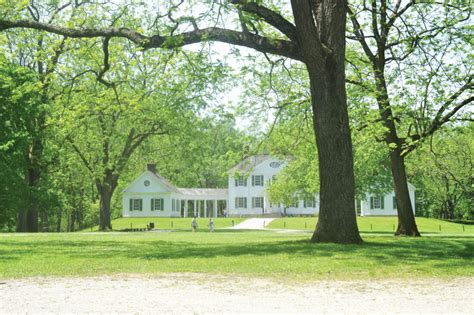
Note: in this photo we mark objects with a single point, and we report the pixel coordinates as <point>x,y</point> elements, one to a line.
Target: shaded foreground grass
<point>380,225</point>
<point>168,223</point>
<point>276,255</point>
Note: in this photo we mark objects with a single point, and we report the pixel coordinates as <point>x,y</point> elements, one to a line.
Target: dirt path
<point>204,294</point>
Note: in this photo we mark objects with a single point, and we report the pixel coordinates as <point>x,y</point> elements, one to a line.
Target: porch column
<point>214,207</point>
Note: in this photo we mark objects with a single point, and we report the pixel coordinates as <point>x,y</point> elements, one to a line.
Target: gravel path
<point>253,224</point>
<point>204,294</point>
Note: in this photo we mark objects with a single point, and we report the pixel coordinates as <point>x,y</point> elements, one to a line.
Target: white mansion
<point>151,195</point>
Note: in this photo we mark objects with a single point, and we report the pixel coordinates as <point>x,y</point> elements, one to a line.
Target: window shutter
<point>245,202</point>
<point>162,204</point>
<point>141,204</point>
<point>371,202</point>
<point>236,202</point>
<point>131,205</point>
<point>381,202</point>
<point>236,182</point>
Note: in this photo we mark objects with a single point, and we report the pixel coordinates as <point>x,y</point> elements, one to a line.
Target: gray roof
<point>165,182</point>
<point>249,163</point>
<point>203,191</point>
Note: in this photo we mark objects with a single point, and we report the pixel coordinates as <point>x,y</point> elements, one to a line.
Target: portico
<point>202,202</point>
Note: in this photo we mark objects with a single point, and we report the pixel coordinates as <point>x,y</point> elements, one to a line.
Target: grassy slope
<point>277,255</point>
<point>168,223</point>
<point>379,225</point>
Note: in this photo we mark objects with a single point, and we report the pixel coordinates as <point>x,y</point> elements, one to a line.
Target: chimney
<point>151,167</point>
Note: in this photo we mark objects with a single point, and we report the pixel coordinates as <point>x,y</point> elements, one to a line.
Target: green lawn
<point>168,223</point>
<point>278,255</point>
<point>379,225</point>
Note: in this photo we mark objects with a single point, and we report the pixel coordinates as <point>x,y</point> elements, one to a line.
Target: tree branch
<point>360,34</point>
<point>81,155</point>
<point>259,43</point>
<point>269,16</point>
<point>441,117</point>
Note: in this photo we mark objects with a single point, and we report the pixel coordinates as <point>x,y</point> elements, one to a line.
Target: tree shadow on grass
<point>383,251</point>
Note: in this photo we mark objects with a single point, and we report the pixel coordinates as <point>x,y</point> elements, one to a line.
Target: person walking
<point>211,225</point>
<point>194,224</point>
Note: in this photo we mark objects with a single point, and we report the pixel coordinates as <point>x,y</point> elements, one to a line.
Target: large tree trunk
<point>104,220</point>
<point>21,225</point>
<point>27,221</point>
<point>406,219</point>
<point>337,218</point>
<point>106,190</point>
<point>33,180</point>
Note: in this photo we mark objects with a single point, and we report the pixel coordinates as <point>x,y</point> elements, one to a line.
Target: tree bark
<point>406,219</point>
<point>106,189</point>
<point>33,181</point>
<point>337,217</point>
<point>105,200</point>
<point>323,48</point>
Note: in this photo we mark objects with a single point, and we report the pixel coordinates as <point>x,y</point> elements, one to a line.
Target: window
<point>136,205</point>
<point>240,202</point>
<point>257,180</point>
<point>310,203</point>
<point>173,207</point>
<point>376,202</point>
<point>257,202</point>
<point>394,200</point>
<point>157,204</point>
<point>241,181</point>
<point>294,204</point>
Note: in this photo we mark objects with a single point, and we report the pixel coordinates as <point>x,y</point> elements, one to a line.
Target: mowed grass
<point>281,256</point>
<point>168,223</point>
<point>385,225</point>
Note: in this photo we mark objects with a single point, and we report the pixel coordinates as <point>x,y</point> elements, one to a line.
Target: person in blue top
<point>211,225</point>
